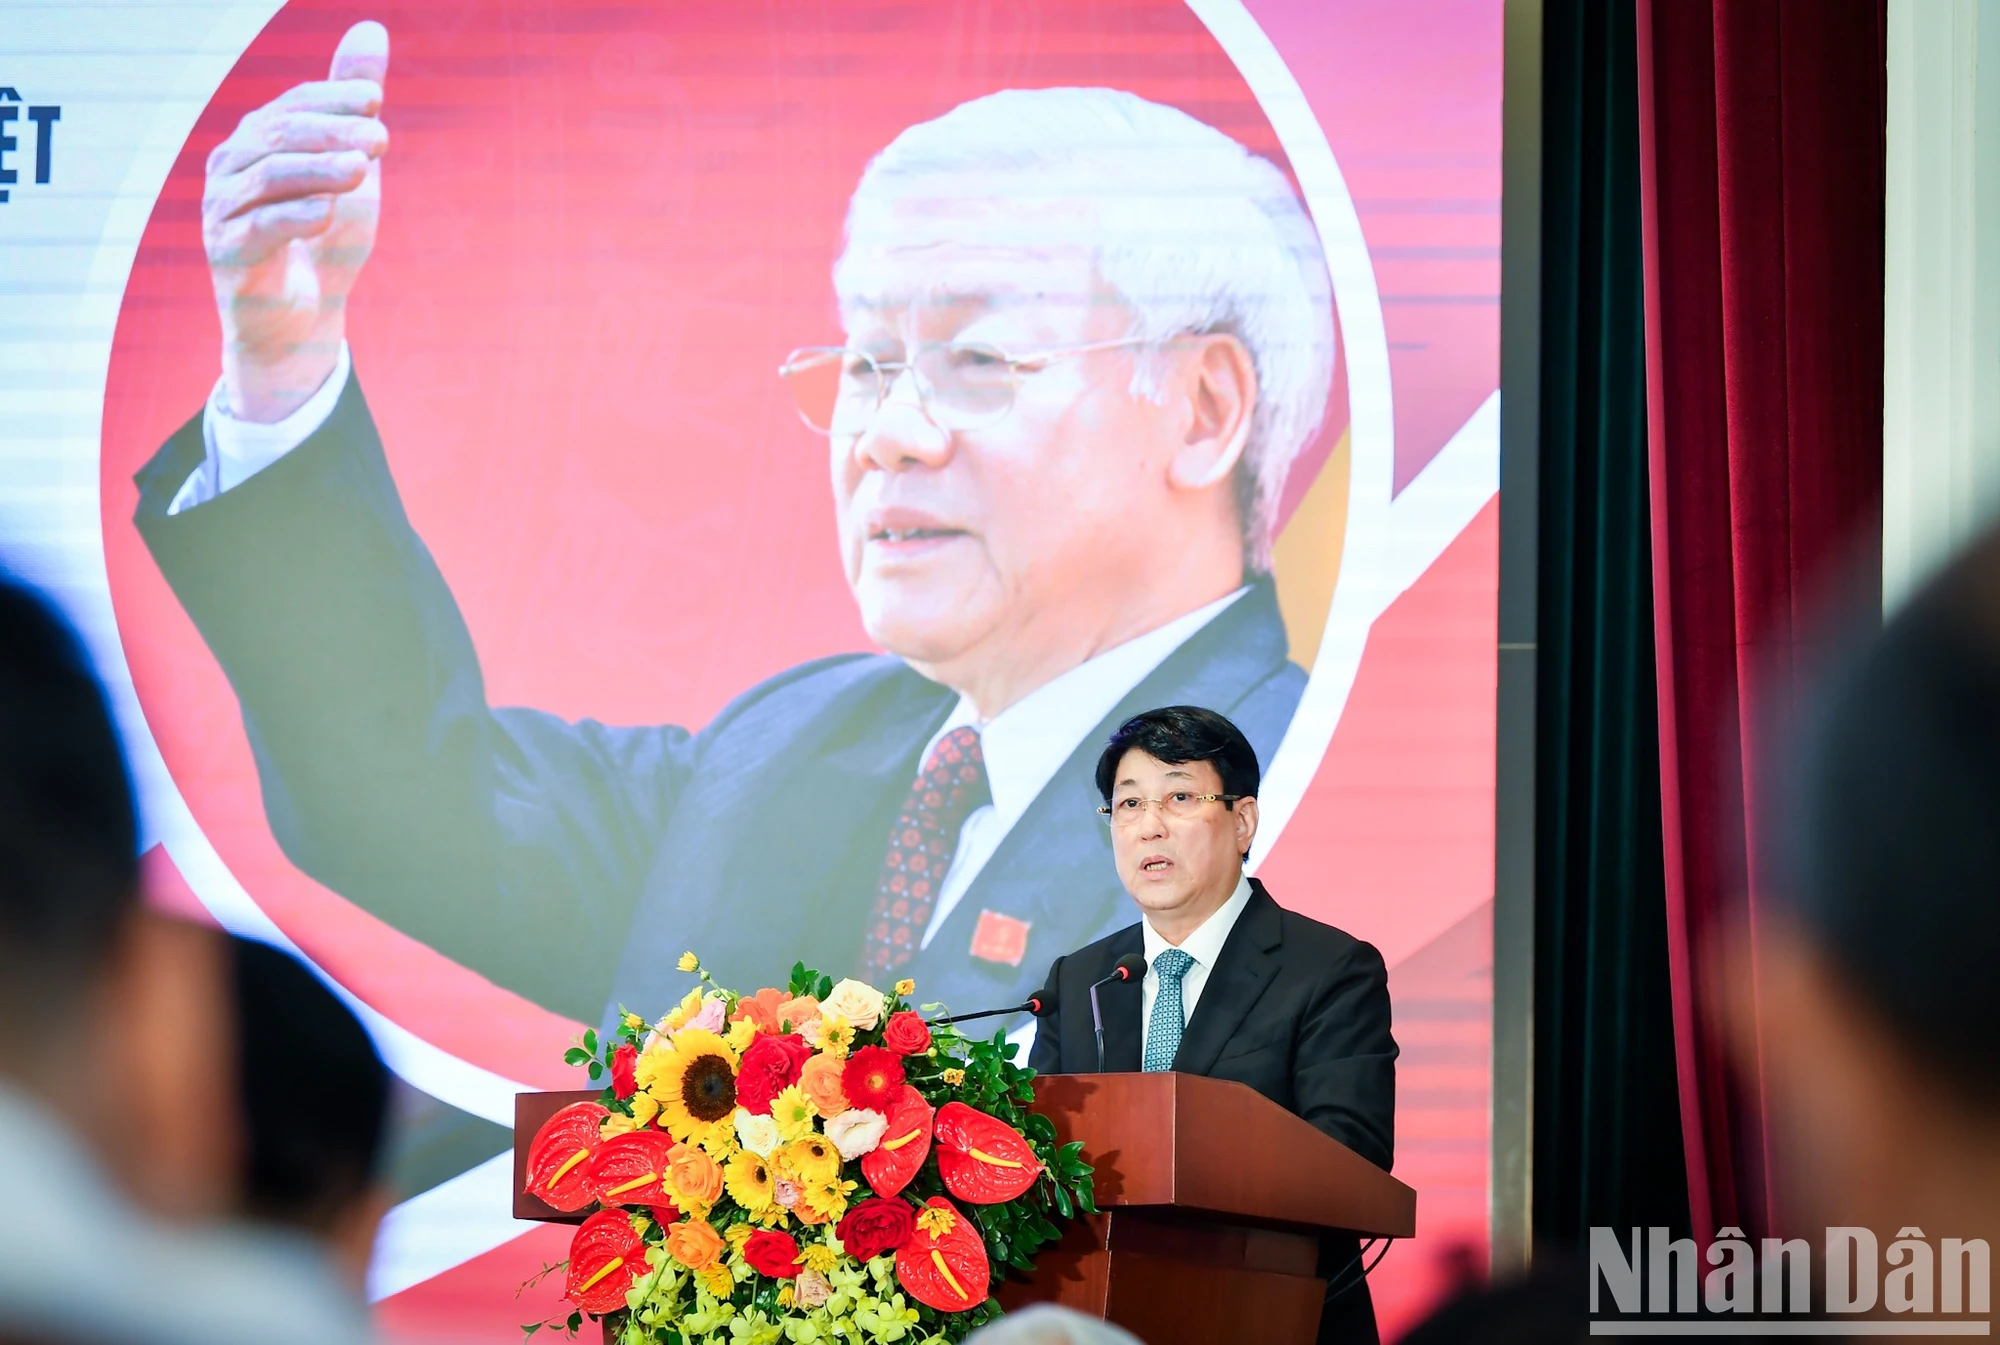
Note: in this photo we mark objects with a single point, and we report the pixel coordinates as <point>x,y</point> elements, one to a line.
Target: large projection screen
<point>578,485</point>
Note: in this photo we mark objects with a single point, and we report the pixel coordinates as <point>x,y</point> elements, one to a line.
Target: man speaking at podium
<point>1085,337</point>
<point>1235,986</point>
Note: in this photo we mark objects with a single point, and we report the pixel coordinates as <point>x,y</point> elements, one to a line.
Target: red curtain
<point>1761,143</point>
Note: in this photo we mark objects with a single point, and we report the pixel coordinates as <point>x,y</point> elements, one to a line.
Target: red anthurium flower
<point>983,1160</point>
<point>625,1071</point>
<point>630,1169</point>
<point>769,1252</point>
<point>906,1033</point>
<point>605,1257</point>
<point>559,1153</point>
<point>906,1142</point>
<point>875,1226</point>
<point>871,1078</point>
<point>944,1264</point>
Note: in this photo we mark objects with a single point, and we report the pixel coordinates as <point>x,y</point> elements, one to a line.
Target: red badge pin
<point>1000,938</point>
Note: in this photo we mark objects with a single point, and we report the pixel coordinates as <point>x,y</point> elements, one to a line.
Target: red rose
<point>770,1066</point>
<point>772,1253</point>
<point>872,1079</point>
<point>875,1226</point>
<point>625,1070</point>
<point>906,1034</point>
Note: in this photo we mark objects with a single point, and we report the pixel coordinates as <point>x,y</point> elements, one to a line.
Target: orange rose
<point>695,1177</point>
<point>694,1244</point>
<point>798,1012</point>
<point>761,1008</point>
<point>820,1081</point>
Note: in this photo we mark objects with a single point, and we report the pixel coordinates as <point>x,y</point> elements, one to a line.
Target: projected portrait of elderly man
<point>1085,337</point>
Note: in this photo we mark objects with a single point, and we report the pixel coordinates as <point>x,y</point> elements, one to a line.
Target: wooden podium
<point>1211,1202</point>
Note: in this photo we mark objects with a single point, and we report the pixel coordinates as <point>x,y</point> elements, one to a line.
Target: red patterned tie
<point>950,787</point>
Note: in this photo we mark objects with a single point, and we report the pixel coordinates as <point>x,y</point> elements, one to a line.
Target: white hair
<point>1047,1324</point>
<point>1192,231</point>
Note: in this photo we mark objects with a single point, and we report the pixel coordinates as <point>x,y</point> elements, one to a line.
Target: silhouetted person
<point>1877,962</point>
<point>315,1105</point>
<point>116,1078</point>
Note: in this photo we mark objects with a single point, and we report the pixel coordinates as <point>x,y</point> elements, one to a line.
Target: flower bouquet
<point>816,1163</point>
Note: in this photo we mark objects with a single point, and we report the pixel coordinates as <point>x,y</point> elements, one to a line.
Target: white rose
<point>858,1002</point>
<point>758,1134</point>
<point>856,1131</point>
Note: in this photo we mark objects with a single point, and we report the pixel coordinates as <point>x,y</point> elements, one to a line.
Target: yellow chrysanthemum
<point>717,1280</point>
<point>645,1107</point>
<point>634,1021</point>
<point>689,962</point>
<point>906,987</point>
<point>954,1077</point>
<point>720,1143</point>
<point>695,1085</point>
<point>785,1295</point>
<point>810,1160</point>
<point>828,1199</point>
<point>836,1036</point>
<point>741,1033</point>
<point>736,1235</point>
<point>937,1221</point>
<point>818,1256</point>
<point>793,1112</point>
<point>689,1006</point>
<point>749,1181</point>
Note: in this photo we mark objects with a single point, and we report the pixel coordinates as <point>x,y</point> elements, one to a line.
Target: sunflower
<point>793,1113</point>
<point>749,1182</point>
<point>809,1160</point>
<point>695,1082</point>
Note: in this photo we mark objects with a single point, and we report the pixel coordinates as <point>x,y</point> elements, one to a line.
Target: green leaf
<point>596,1070</point>
<point>824,988</point>
<point>530,1329</point>
<point>1062,1203</point>
<point>590,1040</point>
<point>575,1055</point>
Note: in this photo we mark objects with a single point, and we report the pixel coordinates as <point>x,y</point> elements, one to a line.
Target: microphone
<point>1039,1004</point>
<point>1130,967</point>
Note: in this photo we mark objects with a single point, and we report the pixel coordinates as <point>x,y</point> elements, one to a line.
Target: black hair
<point>1178,734</point>
<point>69,865</point>
<point>1890,825</point>
<point>315,1093</point>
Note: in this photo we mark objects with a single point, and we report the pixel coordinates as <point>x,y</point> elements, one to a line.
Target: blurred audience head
<point>111,1018</point>
<point>1046,1324</point>
<point>69,869</point>
<point>1544,1307</point>
<point>315,1101</point>
<point>1876,989</point>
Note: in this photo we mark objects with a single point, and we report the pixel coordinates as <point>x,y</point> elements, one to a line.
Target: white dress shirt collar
<point>1205,944</point>
<point>1026,743</point>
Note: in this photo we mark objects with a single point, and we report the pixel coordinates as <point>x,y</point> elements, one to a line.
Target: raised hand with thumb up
<point>288,218</point>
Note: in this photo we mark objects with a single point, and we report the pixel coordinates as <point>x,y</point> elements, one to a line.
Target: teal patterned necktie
<point>1163,1035</point>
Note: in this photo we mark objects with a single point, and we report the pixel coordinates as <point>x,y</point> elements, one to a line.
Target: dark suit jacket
<point>1296,1009</point>
<point>573,862</point>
